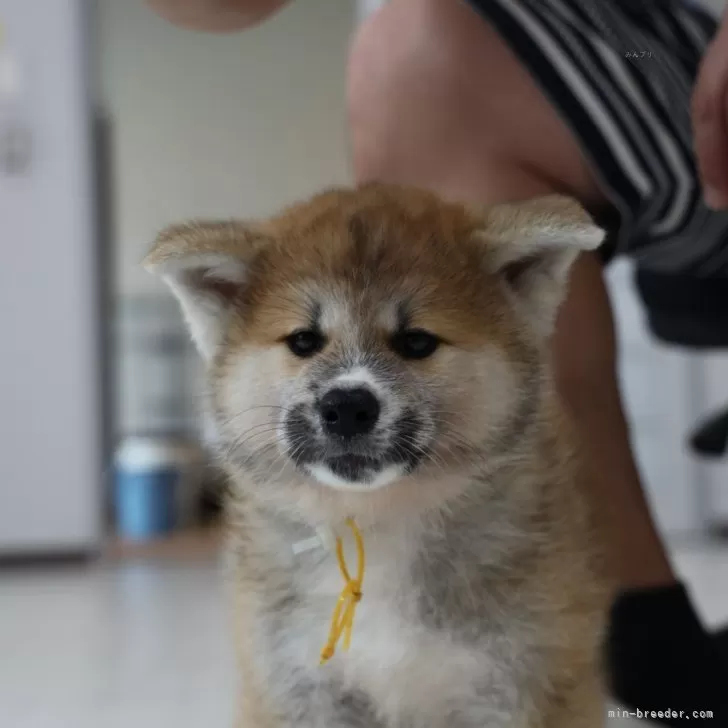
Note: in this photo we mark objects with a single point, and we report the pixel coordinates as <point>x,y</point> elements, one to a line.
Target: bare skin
<point>216,16</point>
<point>427,108</point>
<point>710,119</point>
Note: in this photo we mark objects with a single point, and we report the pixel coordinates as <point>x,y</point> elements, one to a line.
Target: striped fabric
<point>620,73</point>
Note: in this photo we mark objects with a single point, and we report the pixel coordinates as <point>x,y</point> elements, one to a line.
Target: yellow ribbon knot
<point>342,619</point>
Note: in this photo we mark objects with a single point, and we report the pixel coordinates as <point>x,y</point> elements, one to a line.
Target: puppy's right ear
<point>206,266</point>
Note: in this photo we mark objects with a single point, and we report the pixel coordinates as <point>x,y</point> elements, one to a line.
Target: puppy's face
<point>373,337</point>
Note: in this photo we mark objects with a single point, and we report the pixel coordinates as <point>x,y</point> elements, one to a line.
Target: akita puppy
<point>410,546</point>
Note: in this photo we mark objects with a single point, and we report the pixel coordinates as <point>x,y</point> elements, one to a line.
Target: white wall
<point>659,393</point>
<point>224,125</point>
<point>364,8</point>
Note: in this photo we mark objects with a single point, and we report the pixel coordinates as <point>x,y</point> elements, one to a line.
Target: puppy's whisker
<point>256,430</point>
<point>427,455</point>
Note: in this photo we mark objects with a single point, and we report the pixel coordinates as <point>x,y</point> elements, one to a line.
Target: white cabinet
<point>50,462</point>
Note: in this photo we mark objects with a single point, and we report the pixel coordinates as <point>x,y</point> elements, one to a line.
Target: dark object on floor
<point>711,438</point>
<point>660,657</point>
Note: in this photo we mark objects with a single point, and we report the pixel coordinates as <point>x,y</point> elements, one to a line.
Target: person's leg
<point>437,99</point>
<point>585,366</point>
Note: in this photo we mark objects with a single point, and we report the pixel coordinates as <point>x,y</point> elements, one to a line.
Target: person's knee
<point>426,108</point>
<point>390,85</point>
<point>416,114</point>
<point>367,88</point>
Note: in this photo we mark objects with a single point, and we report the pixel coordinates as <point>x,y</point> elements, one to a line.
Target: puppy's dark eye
<point>415,344</point>
<point>305,343</point>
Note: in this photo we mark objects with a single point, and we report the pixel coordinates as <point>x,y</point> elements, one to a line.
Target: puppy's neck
<point>495,505</point>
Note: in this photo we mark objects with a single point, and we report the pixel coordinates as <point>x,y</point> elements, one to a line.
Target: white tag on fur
<point>307,544</point>
<point>324,538</point>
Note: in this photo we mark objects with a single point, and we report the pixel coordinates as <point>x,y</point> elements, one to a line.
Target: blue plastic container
<point>147,480</point>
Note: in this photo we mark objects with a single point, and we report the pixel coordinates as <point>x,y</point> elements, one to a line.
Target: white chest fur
<point>413,674</point>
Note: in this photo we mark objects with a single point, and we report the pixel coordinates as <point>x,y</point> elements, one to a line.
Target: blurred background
<point>114,123</point>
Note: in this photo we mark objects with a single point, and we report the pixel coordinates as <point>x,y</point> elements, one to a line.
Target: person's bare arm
<point>710,119</point>
<point>217,16</point>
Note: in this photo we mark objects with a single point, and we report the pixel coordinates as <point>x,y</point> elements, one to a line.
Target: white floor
<point>146,646</point>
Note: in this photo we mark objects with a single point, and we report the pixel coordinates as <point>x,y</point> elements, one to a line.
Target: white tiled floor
<point>146,646</point>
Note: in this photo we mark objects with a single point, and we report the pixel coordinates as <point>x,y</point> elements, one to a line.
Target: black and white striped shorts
<point>620,73</point>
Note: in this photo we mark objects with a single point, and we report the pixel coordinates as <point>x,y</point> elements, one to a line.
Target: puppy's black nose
<point>349,412</point>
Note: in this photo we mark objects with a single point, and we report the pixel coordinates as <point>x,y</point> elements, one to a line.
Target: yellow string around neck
<point>342,619</point>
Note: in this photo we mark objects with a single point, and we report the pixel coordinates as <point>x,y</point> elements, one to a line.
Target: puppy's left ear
<point>206,266</point>
<point>531,247</point>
